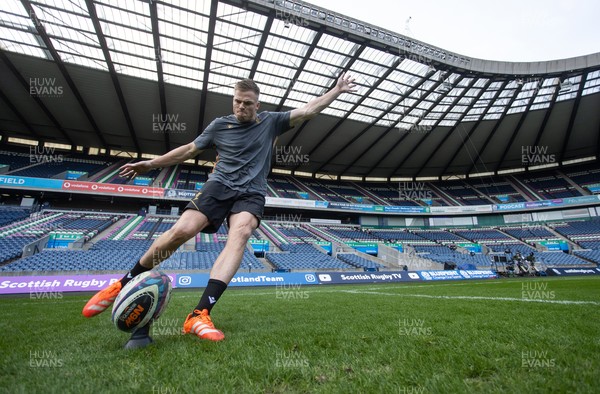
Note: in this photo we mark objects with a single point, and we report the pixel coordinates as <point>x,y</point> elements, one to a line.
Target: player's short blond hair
<point>246,85</point>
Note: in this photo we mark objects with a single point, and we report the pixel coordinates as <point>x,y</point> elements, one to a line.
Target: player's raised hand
<point>133,169</point>
<point>346,83</point>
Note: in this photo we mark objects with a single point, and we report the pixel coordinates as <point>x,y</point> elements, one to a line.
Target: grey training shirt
<point>244,149</point>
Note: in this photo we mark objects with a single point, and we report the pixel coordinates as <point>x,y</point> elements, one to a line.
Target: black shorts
<point>218,201</point>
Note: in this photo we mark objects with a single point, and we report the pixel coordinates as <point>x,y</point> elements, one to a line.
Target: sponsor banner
<point>555,245</point>
<point>365,247</point>
<point>581,200</point>
<point>461,274</point>
<point>22,181</point>
<point>327,246</point>
<point>62,240</point>
<point>406,209</point>
<point>75,174</point>
<point>471,247</point>
<point>478,274</point>
<point>289,202</point>
<point>558,202</point>
<point>48,284</point>
<point>52,284</point>
<point>440,275</point>
<point>572,271</point>
<point>509,207</point>
<point>352,207</point>
<point>395,245</point>
<point>180,194</point>
<point>478,208</point>
<point>142,181</point>
<point>366,277</point>
<point>462,209</point>
<point>10,181</point>
<point>595,188</point>
<point>94,187</point>
<point>259,246</point>
<point>251,279</point>
<point>544,203</point>
<point>58,283</point>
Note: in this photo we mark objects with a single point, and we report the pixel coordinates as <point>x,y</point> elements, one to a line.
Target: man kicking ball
<point>235,190</point>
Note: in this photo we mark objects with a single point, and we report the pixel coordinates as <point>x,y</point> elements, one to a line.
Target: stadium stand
<point>304,257</point>
<point>12,214</point>
<point>358,262</point>
<point>462,192</point>
<point>104,255</point>
<point>549,185</point>
<point>204,257</point>
<point>14,160</point>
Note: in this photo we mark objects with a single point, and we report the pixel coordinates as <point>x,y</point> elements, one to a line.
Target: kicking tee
<point>244,150</point>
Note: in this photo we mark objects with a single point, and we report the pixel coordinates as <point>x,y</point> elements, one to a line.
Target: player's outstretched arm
<point>313,107</point>
<point>175,156</point>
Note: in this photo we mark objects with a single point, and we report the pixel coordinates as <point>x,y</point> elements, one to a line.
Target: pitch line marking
<point>544,301</point>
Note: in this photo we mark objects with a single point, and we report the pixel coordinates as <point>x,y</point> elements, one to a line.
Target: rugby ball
<point>141,301</point>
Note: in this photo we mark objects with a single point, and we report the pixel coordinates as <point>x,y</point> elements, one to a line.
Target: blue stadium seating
<point>15,160</point>
<point>483,235</point>
<point>12,214</point>
<point>556,259</point>
<point>529,233</point>
<point>12,246</point>
<point>304,257</point>
<point>357,261</point>
<point>52,169</point>
<point>443,254</point>
<point>104,255</point>
<point>592,255</point>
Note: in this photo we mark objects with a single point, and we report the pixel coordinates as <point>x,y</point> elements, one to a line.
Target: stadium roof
<point>147,76</point>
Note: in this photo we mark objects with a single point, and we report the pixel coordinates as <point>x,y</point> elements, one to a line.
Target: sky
<point>508,30</point>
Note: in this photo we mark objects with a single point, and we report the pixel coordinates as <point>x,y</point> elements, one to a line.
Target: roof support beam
<point>363,131</point>
<point>37,100</point>
<point>214,5</point>
<point>406,111</point>
<point>473,129</point>
<point>393,126</point>
<point>113,73</point>
<point>159,71</point>
<point>262,43</point>
<point>546,118</point>
<point>347,67</point>
<point>515,132</point>
<point>23,120</point>
<point>435,125</point>
<point>494,129</point>
<point>572,118</point>
<point>382,78</point>
<point>300,68</point>
<point>328,134</point>
<point>455,127</point>
<point>63,70</point>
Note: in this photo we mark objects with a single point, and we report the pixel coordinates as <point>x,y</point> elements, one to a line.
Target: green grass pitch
<point>495,336</point>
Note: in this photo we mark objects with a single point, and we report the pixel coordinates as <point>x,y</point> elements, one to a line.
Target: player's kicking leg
<point>199,322</point>
<point>189,224</point>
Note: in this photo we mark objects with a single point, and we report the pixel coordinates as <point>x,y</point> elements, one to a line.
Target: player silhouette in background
<point>235,191</point>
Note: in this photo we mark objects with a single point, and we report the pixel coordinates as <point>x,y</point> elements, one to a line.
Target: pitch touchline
<point>564,302</point>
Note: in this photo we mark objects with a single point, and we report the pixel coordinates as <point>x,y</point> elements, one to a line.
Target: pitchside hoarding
<point>74,186</point>
<point>93,283</point>
<point>572,271</point>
